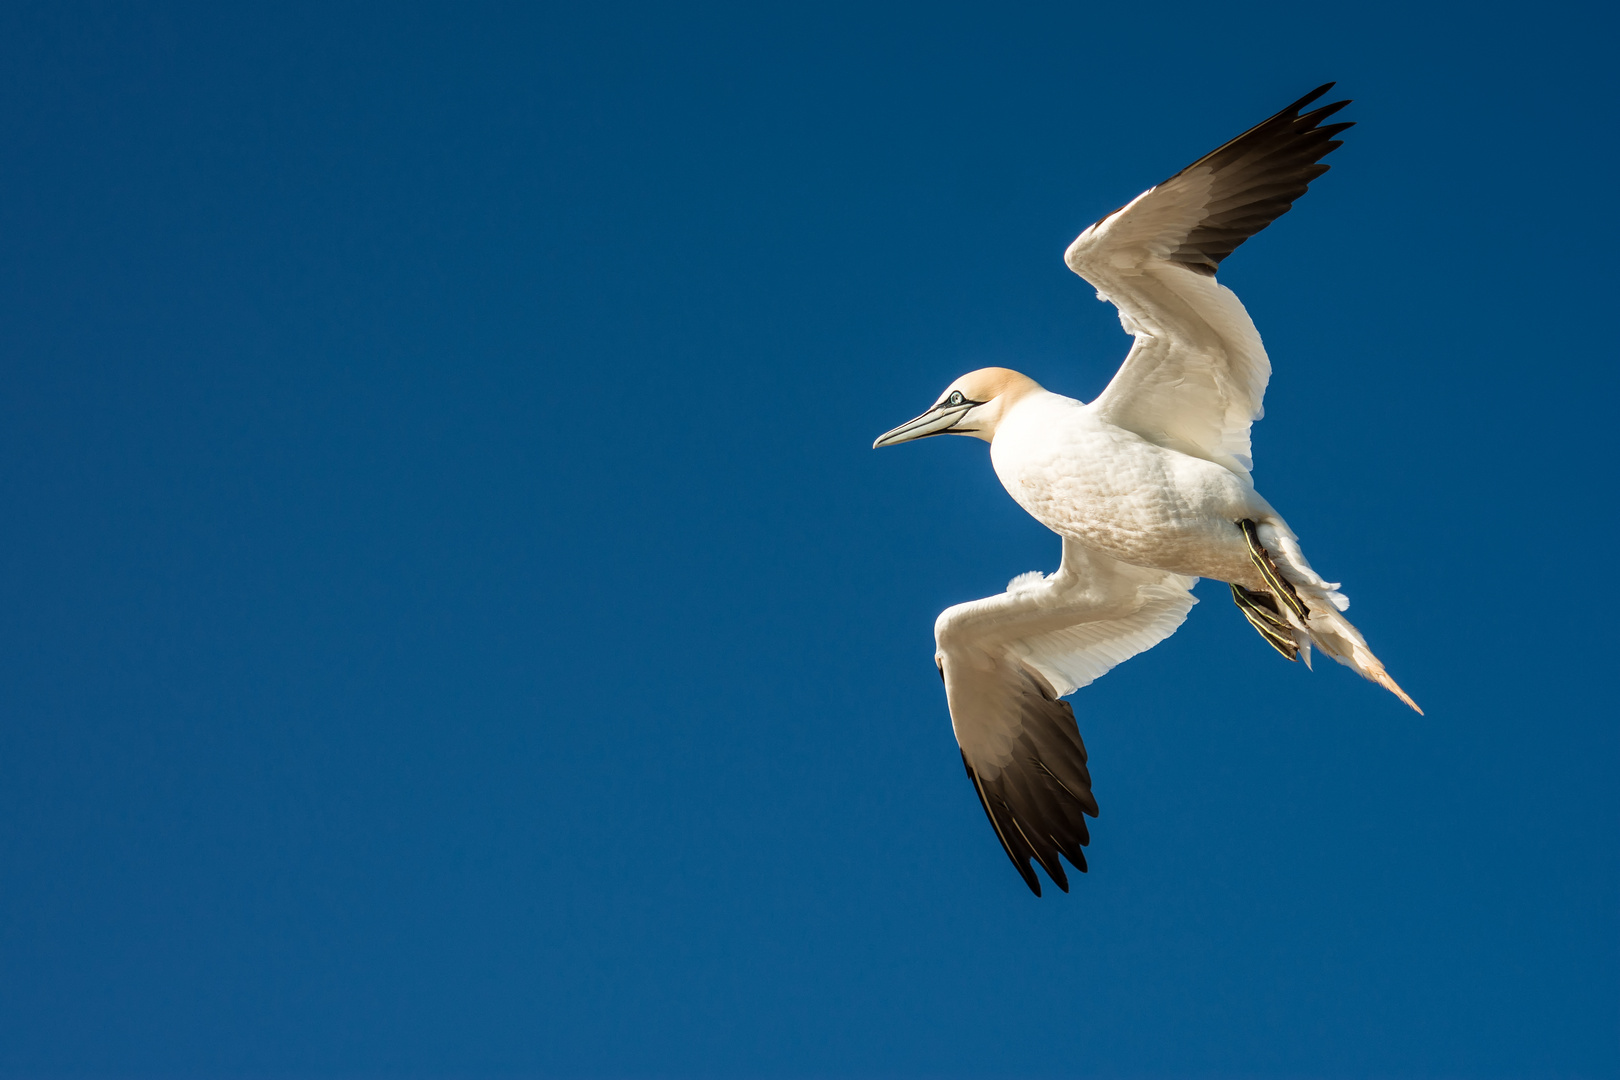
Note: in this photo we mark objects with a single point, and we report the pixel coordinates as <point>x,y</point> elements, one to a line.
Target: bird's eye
<point>956,397</point>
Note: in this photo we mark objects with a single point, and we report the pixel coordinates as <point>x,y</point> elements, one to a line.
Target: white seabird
<point>1148,485</point>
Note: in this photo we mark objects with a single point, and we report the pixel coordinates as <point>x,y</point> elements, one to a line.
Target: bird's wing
<point>1008,659</point>
<point>1195,378</point>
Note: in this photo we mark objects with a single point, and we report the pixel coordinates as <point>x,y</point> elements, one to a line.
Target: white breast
<point>1114,491</point>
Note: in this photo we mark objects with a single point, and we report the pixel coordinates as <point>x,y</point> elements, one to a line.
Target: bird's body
<point>1117,493</point>
<point>1149,486</point>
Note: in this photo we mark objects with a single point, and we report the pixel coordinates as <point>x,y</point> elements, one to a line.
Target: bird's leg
<point>1281,588</point>
<point>1261,611</point>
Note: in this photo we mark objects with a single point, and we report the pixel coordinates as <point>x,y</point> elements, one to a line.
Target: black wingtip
<point>1258,176</point>
<point>1312,96</point>
<point>1054,868</point>
<point>1315,117</point>
<point>1037,802</point>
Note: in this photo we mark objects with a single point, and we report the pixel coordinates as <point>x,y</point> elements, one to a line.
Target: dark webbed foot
<point>1281,588</point>
<point>1259,607</point>
<point>1261,611</point>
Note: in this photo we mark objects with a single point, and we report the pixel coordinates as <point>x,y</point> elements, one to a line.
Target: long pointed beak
<point>936,421</point>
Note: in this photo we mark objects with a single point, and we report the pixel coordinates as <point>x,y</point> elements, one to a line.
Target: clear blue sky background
<point>453,622</point>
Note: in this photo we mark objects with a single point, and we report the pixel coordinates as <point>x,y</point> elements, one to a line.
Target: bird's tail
<point>1315,611</point>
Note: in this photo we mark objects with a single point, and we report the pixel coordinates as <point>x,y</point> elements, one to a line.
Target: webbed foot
<point>1261,611</point>
<point>1281,587</point>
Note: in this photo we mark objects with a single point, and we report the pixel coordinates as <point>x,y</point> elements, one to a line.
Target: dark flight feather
<point>1257,177</point>
<point>1037,804</point>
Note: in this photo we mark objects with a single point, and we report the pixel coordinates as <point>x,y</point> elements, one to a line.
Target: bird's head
<point>972,405</point>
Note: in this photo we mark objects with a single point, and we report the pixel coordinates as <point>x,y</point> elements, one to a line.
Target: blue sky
<point>454,624</point>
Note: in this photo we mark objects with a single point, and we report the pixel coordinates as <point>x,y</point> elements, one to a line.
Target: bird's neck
<point>1025,402</point>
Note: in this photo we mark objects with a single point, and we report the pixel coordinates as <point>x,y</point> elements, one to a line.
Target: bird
<point>1149,486</point>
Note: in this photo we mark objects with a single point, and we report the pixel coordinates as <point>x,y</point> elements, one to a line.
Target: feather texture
<point>1007,660</point>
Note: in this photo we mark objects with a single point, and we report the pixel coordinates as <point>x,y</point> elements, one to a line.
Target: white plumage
<point>1149,486</point>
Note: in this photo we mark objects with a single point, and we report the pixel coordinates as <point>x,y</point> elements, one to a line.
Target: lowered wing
<point>1195,377</point>
<point>1008,659</point>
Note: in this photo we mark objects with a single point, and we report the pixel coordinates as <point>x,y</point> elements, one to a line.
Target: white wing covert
<point>1195,377</point>
<point>1008,659</point>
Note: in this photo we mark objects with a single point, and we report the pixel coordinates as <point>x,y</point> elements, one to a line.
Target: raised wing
<point>1195,378</point>
<point>1008,659</point>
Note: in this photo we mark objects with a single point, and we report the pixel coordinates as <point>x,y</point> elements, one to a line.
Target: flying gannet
<point>1148,486</point>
